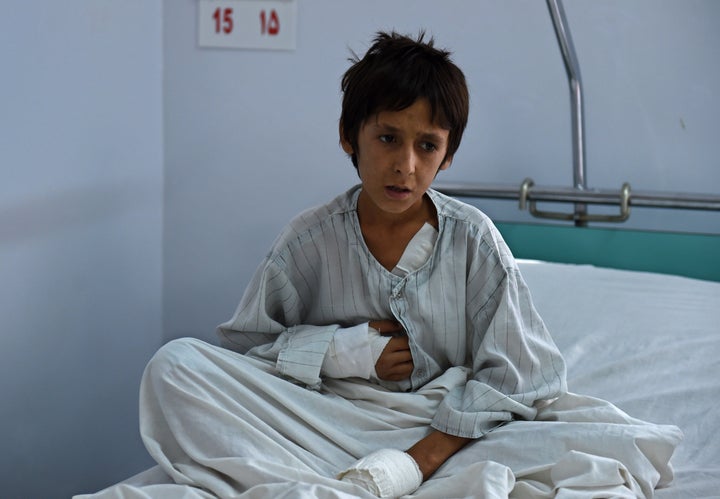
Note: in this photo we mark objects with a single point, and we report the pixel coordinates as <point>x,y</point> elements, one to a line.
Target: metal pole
<point>557,13</point>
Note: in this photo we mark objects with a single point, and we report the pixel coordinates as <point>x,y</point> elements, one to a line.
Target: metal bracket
<point>526,201</point>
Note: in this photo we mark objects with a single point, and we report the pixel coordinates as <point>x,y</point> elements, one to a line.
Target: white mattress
<point>649,343</point>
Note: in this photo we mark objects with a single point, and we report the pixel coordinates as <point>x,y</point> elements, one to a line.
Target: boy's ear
<point>446,164</point>
<point>344,143</point>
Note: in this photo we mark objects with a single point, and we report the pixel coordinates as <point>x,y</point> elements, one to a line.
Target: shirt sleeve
<point>268,324</point>
<point>515,362</point>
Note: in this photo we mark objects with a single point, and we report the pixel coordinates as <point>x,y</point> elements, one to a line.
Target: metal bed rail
<point>528,195</point>
<point>579,195</point>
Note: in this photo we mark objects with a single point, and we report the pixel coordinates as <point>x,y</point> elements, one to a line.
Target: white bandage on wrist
<point>385,473</point>
<point>349,354</point>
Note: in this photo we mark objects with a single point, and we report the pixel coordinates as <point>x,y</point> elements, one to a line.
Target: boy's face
<point>399,154</point>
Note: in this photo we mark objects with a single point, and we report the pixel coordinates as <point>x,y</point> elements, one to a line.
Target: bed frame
<point>689,255</point>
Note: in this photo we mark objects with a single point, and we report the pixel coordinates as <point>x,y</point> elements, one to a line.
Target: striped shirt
<point>466,306</point>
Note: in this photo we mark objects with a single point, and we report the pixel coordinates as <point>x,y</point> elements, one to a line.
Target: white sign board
<point>247,24</point>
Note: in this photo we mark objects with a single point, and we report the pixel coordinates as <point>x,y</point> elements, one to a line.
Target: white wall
<point>80,239</point>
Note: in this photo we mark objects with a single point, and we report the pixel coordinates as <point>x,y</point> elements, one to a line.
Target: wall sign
<point>247,24</point>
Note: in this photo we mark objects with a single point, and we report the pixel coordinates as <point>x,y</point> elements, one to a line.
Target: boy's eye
<point>387,138</point>
<point>428,146</point>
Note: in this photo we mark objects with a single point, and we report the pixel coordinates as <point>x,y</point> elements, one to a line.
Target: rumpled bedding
<point>647,342</point>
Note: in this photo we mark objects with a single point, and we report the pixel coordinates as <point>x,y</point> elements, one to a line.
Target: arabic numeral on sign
<point>223,20</point>
<point>269,24</point>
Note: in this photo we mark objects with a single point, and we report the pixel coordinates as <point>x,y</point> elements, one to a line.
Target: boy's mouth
<point>397,192</point>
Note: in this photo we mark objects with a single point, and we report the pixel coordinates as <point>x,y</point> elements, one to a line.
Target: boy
<point>394,283</point>
<point>384,332</point>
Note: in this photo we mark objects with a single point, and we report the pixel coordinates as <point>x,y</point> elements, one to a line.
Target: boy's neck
<point>387,235</point>
<point>370,215</point>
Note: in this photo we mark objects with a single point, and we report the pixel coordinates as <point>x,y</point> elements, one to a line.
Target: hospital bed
<point>647,341</point>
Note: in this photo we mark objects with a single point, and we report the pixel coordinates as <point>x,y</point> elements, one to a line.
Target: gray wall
<point>80,239</point>
<point>142,178</point>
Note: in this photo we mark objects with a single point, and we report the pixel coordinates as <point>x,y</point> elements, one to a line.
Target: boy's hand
<point>395,362</point>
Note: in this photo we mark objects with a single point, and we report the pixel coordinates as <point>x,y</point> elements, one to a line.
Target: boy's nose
<point>405,161</point>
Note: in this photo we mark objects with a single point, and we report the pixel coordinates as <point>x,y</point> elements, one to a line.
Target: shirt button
<point>421,372</point>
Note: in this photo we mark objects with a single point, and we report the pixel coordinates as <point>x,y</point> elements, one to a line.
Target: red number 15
<point>223,20</point>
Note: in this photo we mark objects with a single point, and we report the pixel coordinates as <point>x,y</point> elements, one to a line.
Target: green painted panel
<point>691,255</point>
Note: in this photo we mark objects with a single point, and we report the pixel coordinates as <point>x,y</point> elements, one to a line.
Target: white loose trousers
<point>226,423</point>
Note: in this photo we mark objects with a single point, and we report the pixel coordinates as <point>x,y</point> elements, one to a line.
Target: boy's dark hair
<point>394,73</point>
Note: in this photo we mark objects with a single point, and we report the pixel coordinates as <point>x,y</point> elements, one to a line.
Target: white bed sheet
<point>649,343</point>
